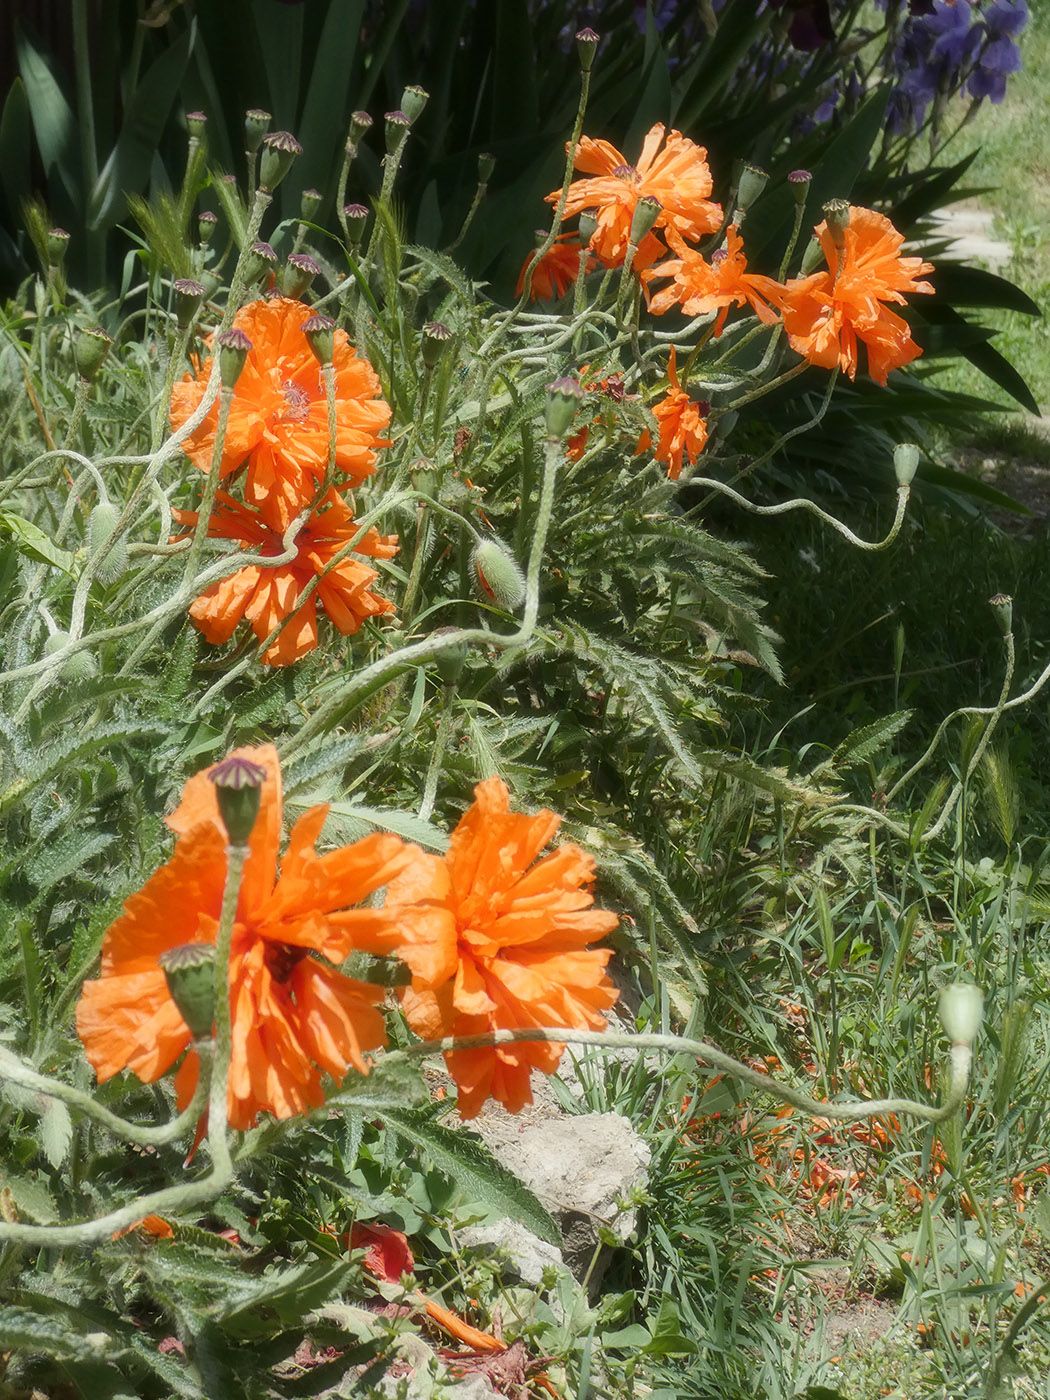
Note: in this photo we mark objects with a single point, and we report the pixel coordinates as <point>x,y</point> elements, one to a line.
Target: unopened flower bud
<point>836,212</point>
<point>100,526</point>
<point>1003,607</point>
<point>356,216</point>
<point>564,397</point>
<point>451,660</point>
<point>499,575</point>
<point>752,183</point>
<point>256,125</point>
<point>413,100</point>
<point>397,125</point>
<point>196,122</point>
<point>486,165</point>
<point>320,333</point>
<point>905,462</point>
<point>206,222</point>
<point>89,350</point>
<point>238,791</point>
<point>587,42</point>
<point>57,243</point>
<point>260,262</point>
<point>799,182</point>
<point>280,149</point>
<point>646,213</point>
<point>435,337</point>
<point>961,1008</point>
<point>299,271</point>
<point>188,297</point>
<point>309,203</point>
<point>189,971</point>
<point>78,666</point>
<point>234,347</point>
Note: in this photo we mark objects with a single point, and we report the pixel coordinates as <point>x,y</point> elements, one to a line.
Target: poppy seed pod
<point>234,347</point>
<point>89,350</point>
<point>280,149</point>
<point>646,213</point>
<point>413,100</point>
<point>905,462</point>
<point>189,971</point>
<point>359,124</point>
<point>587,42</point>
<point>1003,607</point>
<point>836,212</point>
<point>196,122</point>
<point>309,203</point>
<point>188,297</point>
<point>57,243</point>
<point>320,334</point>
<point>799,182</point>
<point>260,262</point>
<point>588,227</point>
<point>486,165</point>
<point>752,183</point>
<point>299,271</point>
<point>101,523</point>
<point>961,1008</point>
<point>238,791</point>
<point>397,125</point>
<point>435,337</point>
<point>564,397</point>
<point>206,222</point>
<point>499,575</point>
<point>256,125</point>
<point>79,666</point>
<point>356,216</point>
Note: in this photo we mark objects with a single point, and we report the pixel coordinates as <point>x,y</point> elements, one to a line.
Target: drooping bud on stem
<point>189,971</point>
<point>498,574</point>
<point>238,791</point>
<point>280,149</point>
<point>234,347</point>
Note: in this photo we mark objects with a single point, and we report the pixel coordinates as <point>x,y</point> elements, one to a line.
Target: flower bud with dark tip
<point>799,182</point>
<point>100,526</point>
<point>961,1008</point>
<point>587,42</point>
<point>564,397</point>
<point>189,971</point>
<point>234,347</point>
<point>836,212</point>
<point>486,165</point>
<point>356,216</point>
<point>1003,607</point>
<point>752,183</point>
<point>196,122</point>
<point>299,271</point>
<point>280,149</point>
<point>57,243</point>
<point>905,462</point>
<point>397,125</point>
<point>256,125</point>
<point>309,203</point>
<point>78,666</point>
<point>238,791</point>
<point>413,100</point>
<point>435,337</point>
<point>206,222</point>
<point>320,333</point>
<point>188,297</point>
<point>90,350</point>
<point>499,575</point>
<point>260,262</point>
<point>646,213</point>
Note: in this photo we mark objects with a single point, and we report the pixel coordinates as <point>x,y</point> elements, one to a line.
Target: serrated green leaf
<point>472,1166</point>
<point>32,1199</point>
<point>56,1132</point>
<point>404,824</point>
<point>867,741</point>
<point>287,1293</point>
<point>22,1330</point>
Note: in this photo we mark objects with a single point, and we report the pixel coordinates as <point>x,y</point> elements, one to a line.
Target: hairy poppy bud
<point>256,125</point>
<point>961,1008</point>
<point>189,971</point>
<point>188,297</point>
<point>238,791</point>
<point>299,271</point>
<point>89,350</point>
<point>280,149</point>
<point>320,333</point>
<point>78,666</point>
<point>233,351</point>
<point>499,575</point>
<point>101,523</point>
<point>587,42</point>
<point>1003,607</point>
<point>564,397</point>
<point>413,100</point>
<point>905,462</point>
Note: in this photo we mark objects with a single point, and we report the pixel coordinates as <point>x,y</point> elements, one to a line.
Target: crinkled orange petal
<point>130,1022</point>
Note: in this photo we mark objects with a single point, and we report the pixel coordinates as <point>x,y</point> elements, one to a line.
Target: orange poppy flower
<point>683,426</point>
<point>293,1014</point>
<point>678,177</point>
<point>278,422</point>
<point>556,271</point>
<point>265,596</point>
<point>495,942</point>
<point>825,315</point>
<point>699,286</point>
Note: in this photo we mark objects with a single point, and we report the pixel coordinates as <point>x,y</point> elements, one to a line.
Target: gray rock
<point>526,1254</point>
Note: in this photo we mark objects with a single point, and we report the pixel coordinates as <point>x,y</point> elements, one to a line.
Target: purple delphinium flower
<point>1005,18</point>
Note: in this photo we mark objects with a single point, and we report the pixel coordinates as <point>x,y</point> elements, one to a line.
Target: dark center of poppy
<point>627,173</point>
<point>297,402</point>
<point>282,959</point>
